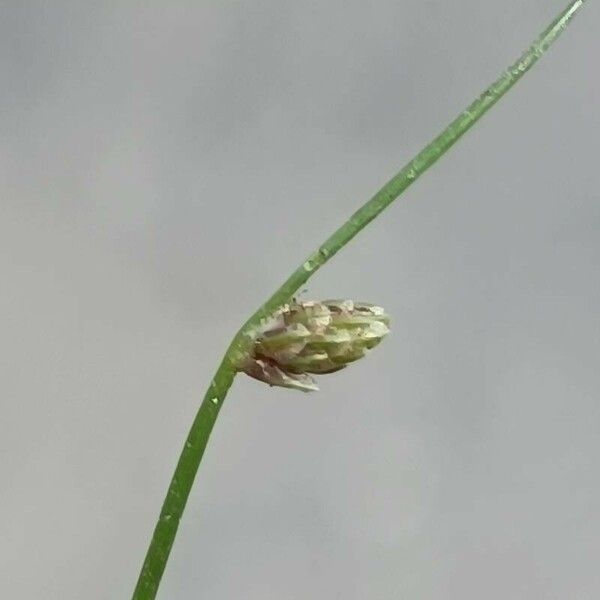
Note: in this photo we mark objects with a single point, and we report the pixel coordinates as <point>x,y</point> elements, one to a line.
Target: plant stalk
<point>193,450</point>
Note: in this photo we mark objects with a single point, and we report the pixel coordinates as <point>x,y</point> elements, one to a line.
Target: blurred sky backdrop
<point>164,165</point>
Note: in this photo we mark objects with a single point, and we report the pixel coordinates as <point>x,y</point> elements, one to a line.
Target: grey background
<point>163,166</point>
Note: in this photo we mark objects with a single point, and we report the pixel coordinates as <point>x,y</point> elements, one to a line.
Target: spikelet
<point>310,337</point>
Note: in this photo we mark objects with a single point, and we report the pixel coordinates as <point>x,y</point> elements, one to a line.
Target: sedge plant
<point>283,342</point>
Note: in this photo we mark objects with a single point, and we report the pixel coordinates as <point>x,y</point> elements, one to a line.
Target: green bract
<point>312,337</point>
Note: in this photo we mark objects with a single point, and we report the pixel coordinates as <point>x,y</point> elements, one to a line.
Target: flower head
<point>311,337</point>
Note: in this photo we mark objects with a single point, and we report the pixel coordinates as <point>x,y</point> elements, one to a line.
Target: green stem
<point>191,455</point>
